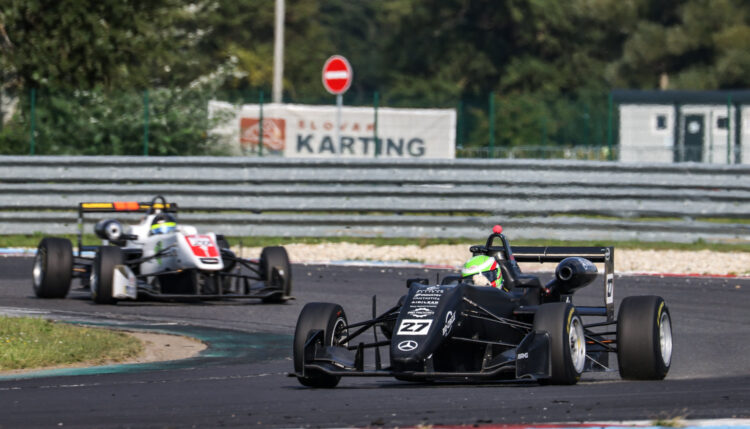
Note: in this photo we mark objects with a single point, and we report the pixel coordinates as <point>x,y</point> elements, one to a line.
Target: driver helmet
<point>483,270</point>
<point>163,223</point>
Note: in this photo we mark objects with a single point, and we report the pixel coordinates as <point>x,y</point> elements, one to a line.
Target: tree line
<point>420,53</point>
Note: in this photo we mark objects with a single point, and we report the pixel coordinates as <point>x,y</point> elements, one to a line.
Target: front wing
<point>530,360</point>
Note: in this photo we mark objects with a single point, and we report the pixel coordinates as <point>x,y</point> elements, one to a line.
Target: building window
<point>721,122</point>
<point>661,122</point>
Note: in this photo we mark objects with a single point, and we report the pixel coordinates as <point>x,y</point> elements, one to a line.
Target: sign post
<point>337,78</point>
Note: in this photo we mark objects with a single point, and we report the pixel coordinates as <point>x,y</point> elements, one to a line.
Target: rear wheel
<point>276,270</point>
<point>102,274</point>
<point>644,338</point>
<point>53,268</point>
<point>567,344</point>
<point>331,319</point>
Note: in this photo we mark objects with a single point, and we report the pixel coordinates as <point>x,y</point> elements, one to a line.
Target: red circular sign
<point>337,75</point>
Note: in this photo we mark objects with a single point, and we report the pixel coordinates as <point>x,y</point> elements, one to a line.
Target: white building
<point>682,126</point>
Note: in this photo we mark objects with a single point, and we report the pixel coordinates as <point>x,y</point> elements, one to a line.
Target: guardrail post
<point>145,122</point>
<point>586,123</point>
<point>491,115</point>
<point>260,124</point>
<point>375,100</point>
<point>459,125</point>
<point>729,129</point>
<point>610,135</point>
<point>33,121</point>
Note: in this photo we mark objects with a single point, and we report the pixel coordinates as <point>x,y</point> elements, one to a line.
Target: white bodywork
<point>124,283</point>
<point>183,249</point>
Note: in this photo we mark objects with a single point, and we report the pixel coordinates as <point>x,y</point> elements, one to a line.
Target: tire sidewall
<point>314,316</point>
<point>662,366</point>
<point>54,260</point>
<point>639,354</point>
<point>102,274</point>
<point>40,263</point>
<point>276,256</point>
<point>557,319</point>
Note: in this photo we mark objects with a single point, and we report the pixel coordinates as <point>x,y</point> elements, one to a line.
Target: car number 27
<point>414,327</point>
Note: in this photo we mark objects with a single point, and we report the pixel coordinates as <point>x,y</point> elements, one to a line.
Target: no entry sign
<point>337,75</point>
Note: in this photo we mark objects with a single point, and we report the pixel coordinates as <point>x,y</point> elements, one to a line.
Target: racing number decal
<point>610,288</point>
<point>202,246</point>
<point>414,327</point>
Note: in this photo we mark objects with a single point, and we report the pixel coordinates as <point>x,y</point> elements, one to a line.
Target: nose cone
<point>406,356</point>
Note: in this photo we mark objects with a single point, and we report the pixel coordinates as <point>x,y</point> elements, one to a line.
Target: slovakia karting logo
<point>202,246</point>
<point>274,138</point>
<point>408,345</point>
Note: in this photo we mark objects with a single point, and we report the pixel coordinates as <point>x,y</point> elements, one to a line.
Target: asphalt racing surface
<point>241,380</point>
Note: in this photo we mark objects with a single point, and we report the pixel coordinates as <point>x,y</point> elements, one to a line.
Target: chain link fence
<point>176,122</point>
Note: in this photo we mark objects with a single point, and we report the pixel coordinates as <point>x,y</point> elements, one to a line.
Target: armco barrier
<point>567,200</point>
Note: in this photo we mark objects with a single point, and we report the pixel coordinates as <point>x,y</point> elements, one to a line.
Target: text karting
<point>414,147</point>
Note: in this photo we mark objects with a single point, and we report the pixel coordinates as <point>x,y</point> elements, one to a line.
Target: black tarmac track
<point>241,380</point>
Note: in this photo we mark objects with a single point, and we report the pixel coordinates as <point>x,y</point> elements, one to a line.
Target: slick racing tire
<point>644,338</point>
<point>332,320</point>
<point>102,274</point>
<point>276,257</point>
<point>222,242</point>
<point>227,256</point>
<point>53,268</point>
<point>567,345</point>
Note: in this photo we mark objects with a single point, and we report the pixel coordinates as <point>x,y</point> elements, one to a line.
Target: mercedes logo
<point>407,346</point>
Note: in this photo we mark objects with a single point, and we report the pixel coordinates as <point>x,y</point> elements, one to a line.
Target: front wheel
<point>276,270</point>
<point>644,338</point>
<point>331,319</point>
<point>53,268</point>
<point>102,274</point>
<point>567,344</point>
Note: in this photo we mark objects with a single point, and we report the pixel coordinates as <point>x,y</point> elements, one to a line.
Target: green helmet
<point>485,265</point>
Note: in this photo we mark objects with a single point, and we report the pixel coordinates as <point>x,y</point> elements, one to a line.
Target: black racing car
<point>459,331</point>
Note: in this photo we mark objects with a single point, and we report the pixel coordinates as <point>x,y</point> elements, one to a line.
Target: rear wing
<point>118,207</point>
<point>125,206</point>
<point>605,255</point>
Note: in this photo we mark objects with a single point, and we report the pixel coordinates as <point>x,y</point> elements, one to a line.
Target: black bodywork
<point>455,330</point>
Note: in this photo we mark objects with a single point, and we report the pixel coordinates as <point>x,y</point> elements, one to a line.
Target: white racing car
<point>156,258</point>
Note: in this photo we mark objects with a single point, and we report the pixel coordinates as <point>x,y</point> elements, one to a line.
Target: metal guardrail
<point>567,200</point>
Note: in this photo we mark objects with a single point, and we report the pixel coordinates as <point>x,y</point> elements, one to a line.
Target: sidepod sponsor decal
<point>420,312</point>
<point>449,319</point>
<point>202,246</point>
<point>408,345</point>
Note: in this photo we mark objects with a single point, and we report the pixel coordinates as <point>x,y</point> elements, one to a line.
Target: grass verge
<point>423,242</point>
<point>32,240</point>
<point>36,343</point>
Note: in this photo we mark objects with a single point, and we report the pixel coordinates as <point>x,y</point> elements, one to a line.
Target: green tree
<point>695,44</point>
<point>84,44</point>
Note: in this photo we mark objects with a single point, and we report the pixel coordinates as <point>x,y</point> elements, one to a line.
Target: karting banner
<point>302,131</point>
